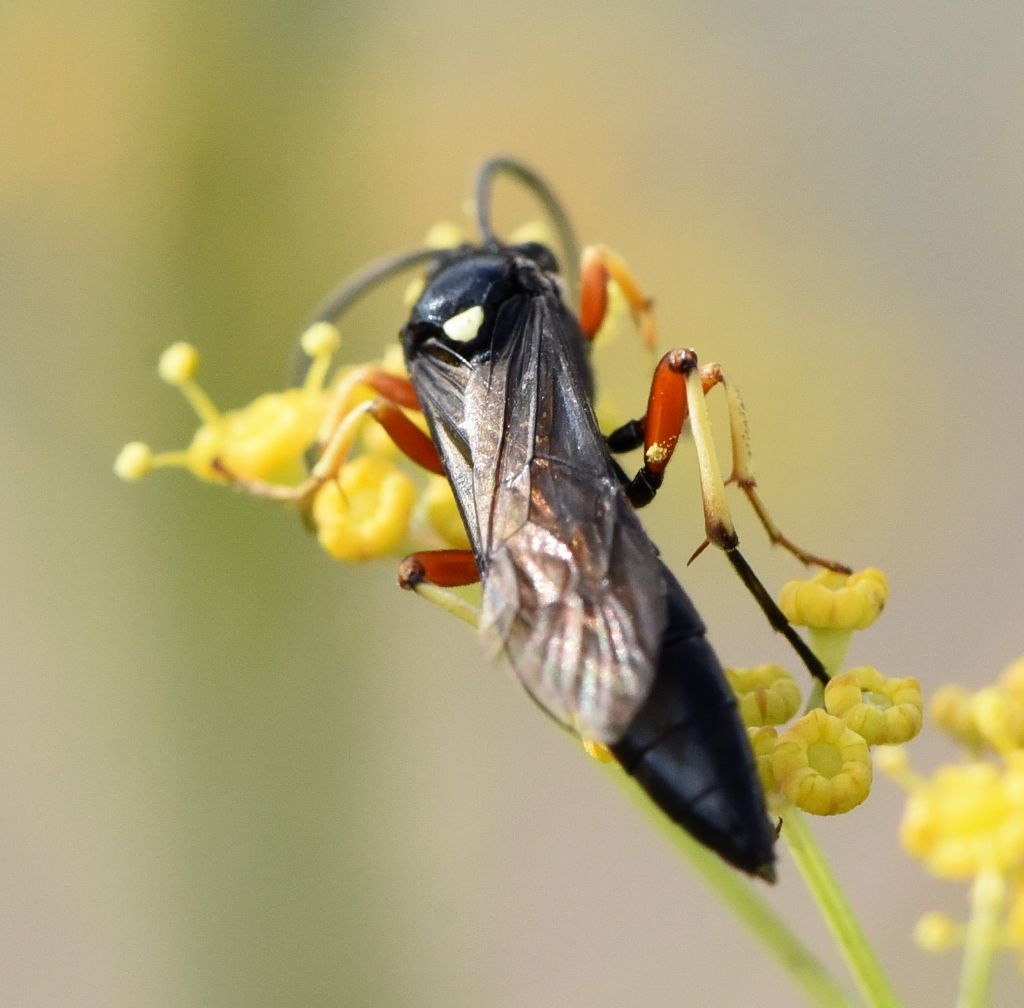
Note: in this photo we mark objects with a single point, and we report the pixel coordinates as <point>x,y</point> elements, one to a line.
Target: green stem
<point>859,955</point>
<point>988,894</point>
<point>830,646</point>
<point>737,893</point>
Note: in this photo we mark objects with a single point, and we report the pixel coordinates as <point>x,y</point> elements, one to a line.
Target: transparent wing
<point>573,589</point>
<point>574,594</point>
<point>579,613</point>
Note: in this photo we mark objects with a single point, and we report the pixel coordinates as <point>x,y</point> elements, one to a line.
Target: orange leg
<point>393,387</point>
<point>343,396</point>
<point>658,431</point>
<point>599,265</point>
<point>450,568</point>
<point>431,574</point>
<point>412,442</point>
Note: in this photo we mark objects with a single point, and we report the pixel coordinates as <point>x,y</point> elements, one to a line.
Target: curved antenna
<point>482,206</point>
<point>354,287</point>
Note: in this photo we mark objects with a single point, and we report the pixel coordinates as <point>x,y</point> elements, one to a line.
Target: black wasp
<point>596,627</point>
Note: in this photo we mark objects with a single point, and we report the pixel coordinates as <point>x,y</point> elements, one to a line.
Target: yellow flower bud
<point>445,234</point>
<point>893,761</point>
<point>821,765</point>
<point>178,363</point>
<point>1011,679</point>
<point>967,819</point>
<point>935,932</point>
<point>767,694</point>
<point>836,601</point>
<point>952,710</point>
<point>321,339</point>
<point>1000,721</point>
<point>133,461</point>
<point>364,513</point>
<point>882,711</point>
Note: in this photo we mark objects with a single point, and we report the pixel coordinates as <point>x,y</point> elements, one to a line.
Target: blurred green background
<point>237,774</point>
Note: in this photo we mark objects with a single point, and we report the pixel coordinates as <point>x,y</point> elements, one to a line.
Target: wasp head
<point>467,288</point>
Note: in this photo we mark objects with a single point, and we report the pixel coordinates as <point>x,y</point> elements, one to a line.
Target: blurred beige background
<point>236,774</point>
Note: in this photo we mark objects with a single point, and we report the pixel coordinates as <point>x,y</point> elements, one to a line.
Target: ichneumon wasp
<point>574,594</point>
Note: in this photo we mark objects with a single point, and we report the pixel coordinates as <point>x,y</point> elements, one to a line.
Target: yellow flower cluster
<point>832,606</point>
<point>767,694</point>
<point>968,818</point>
<point>369,503</point>
<point>966,821</point>
<point>363,498</point>
<point>821,763</point>
<point>833,601</point>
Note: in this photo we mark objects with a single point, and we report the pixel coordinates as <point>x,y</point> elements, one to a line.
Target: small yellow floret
<point>763,741</point>
<point>951,708</point>
<point>442,513</point>
<point>999,719</point>
<point>882,711</point>
<point>936,932</point>
<point>893,761</point>
<point>320,339</point>
<point>767,694</point>
<point>365,513</point>
<point>836,601</point>
<point>178,363</point>
<point>821,765</point>
<point>133,461</point>
<point>262,441</point>
<point>967,819</point>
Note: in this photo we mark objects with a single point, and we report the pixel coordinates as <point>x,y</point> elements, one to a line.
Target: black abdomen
<point>688,749</point>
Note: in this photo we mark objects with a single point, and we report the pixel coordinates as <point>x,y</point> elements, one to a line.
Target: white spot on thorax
<point>464,326</point>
